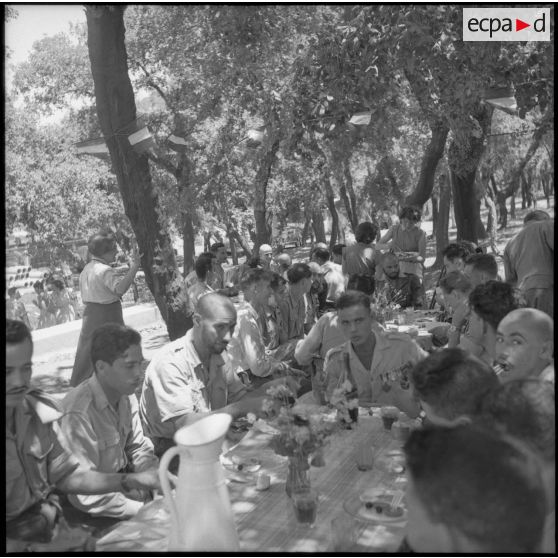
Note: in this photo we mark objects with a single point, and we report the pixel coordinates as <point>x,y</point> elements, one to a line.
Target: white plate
<point>240,464</point>
<point>358,509</point>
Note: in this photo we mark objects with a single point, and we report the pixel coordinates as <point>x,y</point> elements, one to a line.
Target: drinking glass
<point>305,504</point>
<point>389,416</point>
<point>365,458</point>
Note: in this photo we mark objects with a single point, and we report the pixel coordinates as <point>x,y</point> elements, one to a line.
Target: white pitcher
<point>201,513</point>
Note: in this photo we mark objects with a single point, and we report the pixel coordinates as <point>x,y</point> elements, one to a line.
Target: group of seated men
<point>480,471</point>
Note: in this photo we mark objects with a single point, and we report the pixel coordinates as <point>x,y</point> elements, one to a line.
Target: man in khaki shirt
<point>37,459</point>
<point>529,261</point>
<point>191,376</point>
<point>379,362</point>
<point>102,424</point>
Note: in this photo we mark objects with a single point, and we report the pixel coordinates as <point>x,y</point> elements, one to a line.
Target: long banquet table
<point>265,519</point>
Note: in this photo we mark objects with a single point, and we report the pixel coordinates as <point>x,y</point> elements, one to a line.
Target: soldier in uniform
<point>378,361</point>
<point>404,289</point>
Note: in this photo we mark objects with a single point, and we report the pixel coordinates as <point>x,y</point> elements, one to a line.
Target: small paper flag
<point>96,147</point>
<point>142,140</point>
<point>361,119</point>
<point>177,143</point>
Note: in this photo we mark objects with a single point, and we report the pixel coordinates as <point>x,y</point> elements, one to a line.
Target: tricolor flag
<point>142,140</point>
<point>255,137</point>
<point>361,118</point>
<point>96,147</point>
<point>501,98</point>
<point>176,143</point>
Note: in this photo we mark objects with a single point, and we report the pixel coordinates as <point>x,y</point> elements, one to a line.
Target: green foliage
<point>210,73</point>
<point>51,192</point>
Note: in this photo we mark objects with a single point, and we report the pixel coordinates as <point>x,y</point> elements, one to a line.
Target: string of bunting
<point>142,140</point>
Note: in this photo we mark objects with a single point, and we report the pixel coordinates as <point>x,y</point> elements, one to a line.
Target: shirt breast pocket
<point>111,454</point>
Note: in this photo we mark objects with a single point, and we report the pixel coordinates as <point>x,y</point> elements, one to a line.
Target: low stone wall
<point>65,336</point>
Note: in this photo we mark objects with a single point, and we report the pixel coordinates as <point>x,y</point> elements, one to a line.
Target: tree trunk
<point>512,205</point>
<point>116,109</point>
<point>500,199</point>
<point>189,239</point>
<point>434,200</point>
<point>234,234</point>
<point>463,159</point>
<point>318,225</point>
<point>492,221</point>
<point>330,199</point>
<point>263,231</point>
<point>350,190</point>
<point>441,227</point>
<point>306,228</point>
<point>434,151</point>
<point>523,183</point>
<point>232,244</point>
<point>465,205</point>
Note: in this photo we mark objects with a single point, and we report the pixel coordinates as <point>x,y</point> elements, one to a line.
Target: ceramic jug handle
<point>165,485</point>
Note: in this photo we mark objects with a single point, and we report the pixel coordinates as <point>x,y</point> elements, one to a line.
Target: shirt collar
<point>382,343</point>
<point>191,355</point>
<point>99,398</point>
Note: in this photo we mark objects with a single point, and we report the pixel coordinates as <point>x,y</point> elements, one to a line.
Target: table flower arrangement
<point>301,433</point>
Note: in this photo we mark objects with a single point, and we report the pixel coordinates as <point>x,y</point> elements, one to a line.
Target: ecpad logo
<point>506,24</point>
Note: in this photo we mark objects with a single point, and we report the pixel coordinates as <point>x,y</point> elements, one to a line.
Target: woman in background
<point>358,261</point>
<point>408,241</point>
<point>101,291</point>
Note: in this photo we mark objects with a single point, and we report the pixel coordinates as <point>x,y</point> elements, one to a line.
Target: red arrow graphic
<point>519,24</point>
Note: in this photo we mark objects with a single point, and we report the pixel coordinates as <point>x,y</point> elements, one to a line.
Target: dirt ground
<point>52,372</point>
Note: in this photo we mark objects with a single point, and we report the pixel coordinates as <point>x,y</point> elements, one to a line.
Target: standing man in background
<point>529,261</point>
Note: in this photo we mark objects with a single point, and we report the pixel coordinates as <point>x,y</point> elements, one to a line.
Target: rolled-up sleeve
<point>84,445</point>
<point>251,342</point>
<point>110,279</point>
<point>174,392</point>
<point>309,347</point>
<point>139,448</point>
<point>60,461</point>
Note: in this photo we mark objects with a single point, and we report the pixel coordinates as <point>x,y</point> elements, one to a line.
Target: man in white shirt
<point>333,275</point>
<point>246,350</point>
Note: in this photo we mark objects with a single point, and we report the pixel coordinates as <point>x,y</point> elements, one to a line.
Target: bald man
<point>525,345</point>
<point>266,254</point>
<point>191,376</point>
<point>283,262</point>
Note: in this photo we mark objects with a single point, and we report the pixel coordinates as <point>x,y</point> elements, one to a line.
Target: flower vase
<point>298,477</point>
